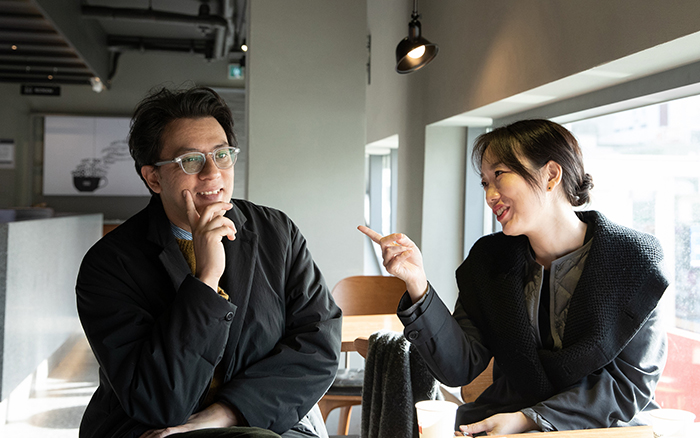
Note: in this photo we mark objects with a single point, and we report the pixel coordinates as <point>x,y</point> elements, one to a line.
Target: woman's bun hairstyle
<point>583,191</point>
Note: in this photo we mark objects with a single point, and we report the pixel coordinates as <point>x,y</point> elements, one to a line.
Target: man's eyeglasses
<point>193,162</point>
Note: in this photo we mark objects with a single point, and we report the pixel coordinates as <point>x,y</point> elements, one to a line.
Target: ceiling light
<point>50,77</point>
<point>414,51</point>
<point>97,85</point>
<point>14,47</point>
<point>417,52</point>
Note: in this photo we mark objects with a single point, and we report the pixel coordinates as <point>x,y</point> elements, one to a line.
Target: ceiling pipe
<point>117,44</point>
<point>149,15</point>
<point>220,34</point>
<point>224,37</point>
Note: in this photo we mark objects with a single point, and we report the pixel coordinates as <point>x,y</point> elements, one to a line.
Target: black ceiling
<point>79,41</point>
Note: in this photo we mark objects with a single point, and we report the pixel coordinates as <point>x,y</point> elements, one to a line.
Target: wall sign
<point>89,156</point>
<point>40,90</point>
<point>7,154</point>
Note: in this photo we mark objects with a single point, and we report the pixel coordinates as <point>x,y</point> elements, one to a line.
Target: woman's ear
<point>152,177</point>
<point>553,173</point>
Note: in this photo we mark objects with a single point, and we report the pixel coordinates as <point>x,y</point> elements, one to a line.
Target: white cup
<point>436,418</point>
<point>670,422</point>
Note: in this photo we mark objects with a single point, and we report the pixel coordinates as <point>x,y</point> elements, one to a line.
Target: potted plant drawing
<point>89,175</point>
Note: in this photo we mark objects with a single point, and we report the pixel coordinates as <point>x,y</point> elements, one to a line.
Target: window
<point>645,164</point>
<point>380,197</point>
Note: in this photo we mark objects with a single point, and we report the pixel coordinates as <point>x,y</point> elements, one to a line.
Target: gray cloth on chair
<point>396,377</point>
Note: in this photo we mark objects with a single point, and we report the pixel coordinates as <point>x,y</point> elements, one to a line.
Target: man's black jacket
<point>158,333</point>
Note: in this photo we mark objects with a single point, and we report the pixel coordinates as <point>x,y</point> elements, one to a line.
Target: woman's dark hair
<point>164,105</point>
<point>538,141</point>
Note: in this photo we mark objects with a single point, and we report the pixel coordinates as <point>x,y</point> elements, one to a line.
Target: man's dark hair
<point>164,105</point>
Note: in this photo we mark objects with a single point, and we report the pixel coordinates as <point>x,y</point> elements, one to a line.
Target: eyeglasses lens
<point>193,163</point>
<point>223,158</point>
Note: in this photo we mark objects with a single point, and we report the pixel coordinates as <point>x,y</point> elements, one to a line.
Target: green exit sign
<point>235,71</point>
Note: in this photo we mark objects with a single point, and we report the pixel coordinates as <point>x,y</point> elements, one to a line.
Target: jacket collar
<point>241,253</point>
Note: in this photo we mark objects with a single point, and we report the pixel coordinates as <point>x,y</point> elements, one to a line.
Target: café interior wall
<point>493,50</point>
<point>443,207</point>
<point>306,106</point>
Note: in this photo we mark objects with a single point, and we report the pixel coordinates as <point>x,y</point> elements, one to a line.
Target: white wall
<point>306,95</point>
<point>443,207</point>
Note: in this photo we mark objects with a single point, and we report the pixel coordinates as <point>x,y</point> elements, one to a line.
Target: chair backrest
<point>368,294</point>
<point>361,346</point>
<point>474,389</point>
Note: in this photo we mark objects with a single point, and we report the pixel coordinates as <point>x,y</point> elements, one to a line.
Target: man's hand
<point>501,424</point>
<point>403,259</point>
<point>216,415</point>
<point>208,228</point>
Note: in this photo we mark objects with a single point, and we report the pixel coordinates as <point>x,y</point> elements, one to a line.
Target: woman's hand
<point>216,415</point>
<point>208,229</point>
<point>501,424</point>
<point>403,259</point>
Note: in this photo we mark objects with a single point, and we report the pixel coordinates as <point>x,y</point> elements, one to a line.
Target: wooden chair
<point>361,346</point>
<point>358,295</point>
<point>474,389</point>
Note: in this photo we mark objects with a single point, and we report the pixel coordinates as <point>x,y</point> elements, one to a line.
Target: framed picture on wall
<point>89,156</point>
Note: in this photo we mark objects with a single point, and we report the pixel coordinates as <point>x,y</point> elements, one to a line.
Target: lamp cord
<point>415,15</point>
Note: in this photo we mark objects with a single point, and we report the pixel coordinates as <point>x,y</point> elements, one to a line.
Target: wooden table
<point>362,326</point>
<point>613,432</point>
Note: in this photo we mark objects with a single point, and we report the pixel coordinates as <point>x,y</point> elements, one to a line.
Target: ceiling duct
<point>150,15</point>
<point>222,25</point>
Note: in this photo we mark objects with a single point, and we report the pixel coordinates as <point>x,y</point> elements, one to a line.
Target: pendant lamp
<point>414,51</point>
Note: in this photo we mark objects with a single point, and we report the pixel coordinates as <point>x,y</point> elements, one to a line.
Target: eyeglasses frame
<point>178,159</point>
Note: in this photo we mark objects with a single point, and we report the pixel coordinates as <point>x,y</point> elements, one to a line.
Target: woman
<point>564,301</point>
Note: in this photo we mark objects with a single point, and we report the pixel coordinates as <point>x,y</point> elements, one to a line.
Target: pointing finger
<point>376,237</point>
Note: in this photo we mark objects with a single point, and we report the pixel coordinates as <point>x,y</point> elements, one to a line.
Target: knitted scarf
<point>619,287</point>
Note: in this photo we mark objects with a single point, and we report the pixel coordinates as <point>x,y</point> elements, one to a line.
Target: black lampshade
<point>407,62</point>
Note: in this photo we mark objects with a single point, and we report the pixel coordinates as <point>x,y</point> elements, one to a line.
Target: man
<point>207,315</point>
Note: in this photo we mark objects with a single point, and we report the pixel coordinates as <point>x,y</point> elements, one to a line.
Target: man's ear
<point>553,172</point>
<point>150,174</point>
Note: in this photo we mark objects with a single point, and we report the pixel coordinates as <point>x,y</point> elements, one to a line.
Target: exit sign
<point>235,71</point>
